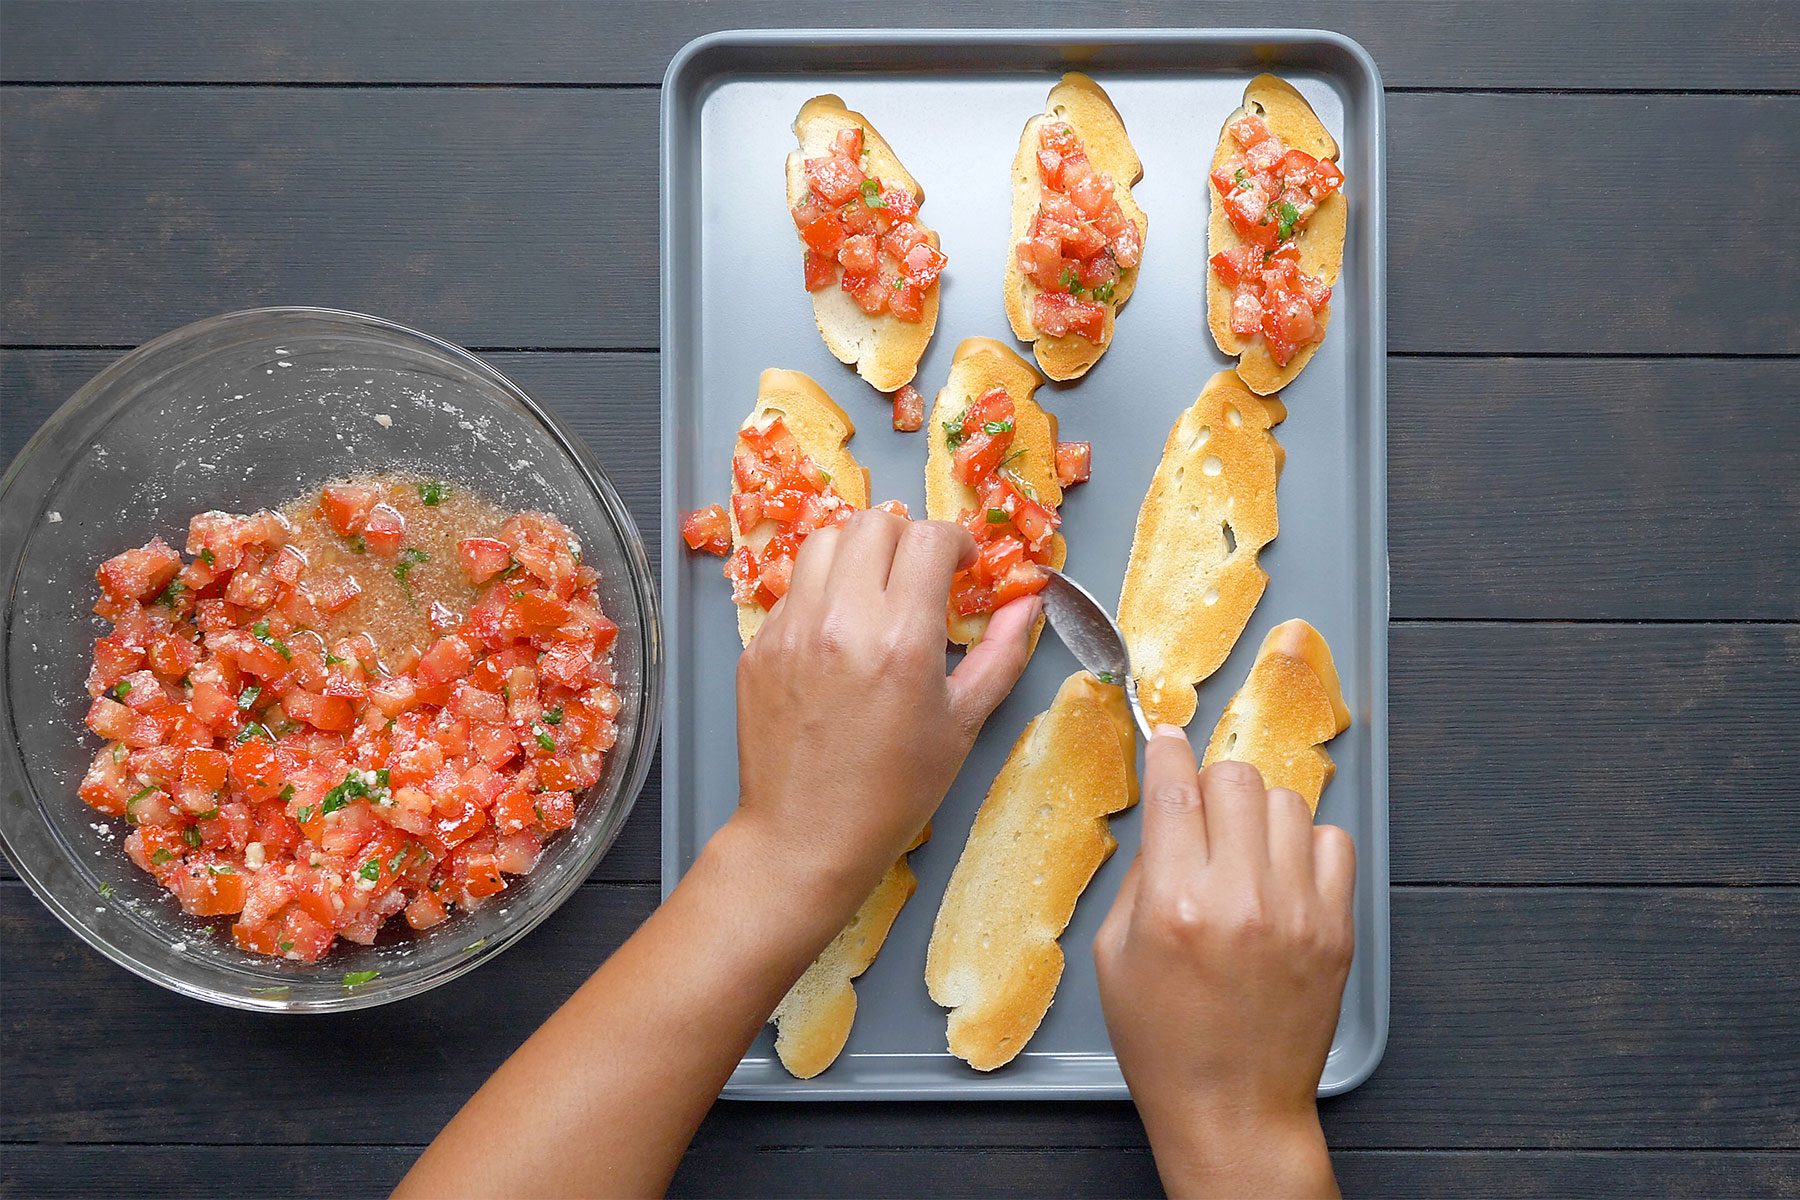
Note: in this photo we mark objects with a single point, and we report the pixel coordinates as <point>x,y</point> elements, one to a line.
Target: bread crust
<point>979,364</point>
<point>1188,590</point>
<point>1291,704</point>
<point>1042,832</point>
<point>884,349</point>
<point>1087,108</point>
<point>812,1022</point>
<point>822,428</point>
<point>1321,242</point>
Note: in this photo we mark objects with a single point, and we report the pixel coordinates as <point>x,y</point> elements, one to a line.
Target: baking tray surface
<point>952,104</point>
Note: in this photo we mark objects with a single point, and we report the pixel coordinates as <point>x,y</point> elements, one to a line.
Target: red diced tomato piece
<point>140,574</point>
<point>482,558</point>
<point>347,506</point>
<point>909,409</point>
<point>835,178</point>
<point>384,530</point>
<point>1074,462</point>
<point>707,529</point>
<point>819,270</point>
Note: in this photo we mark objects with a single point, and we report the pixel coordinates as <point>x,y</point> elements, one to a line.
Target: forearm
<point>1224,1153</point>
<point>605,1096</point>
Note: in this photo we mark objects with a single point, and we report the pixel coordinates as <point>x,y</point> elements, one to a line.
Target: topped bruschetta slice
<point>1276,234</point>
<point>870,264</point>
<point>1077,233</point>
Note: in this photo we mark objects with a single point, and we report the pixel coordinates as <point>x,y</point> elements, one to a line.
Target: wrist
<point>1239,1146</point>
<point>806,887</point>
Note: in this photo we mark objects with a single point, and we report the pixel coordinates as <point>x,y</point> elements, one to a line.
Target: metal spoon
<point>1092,636</point>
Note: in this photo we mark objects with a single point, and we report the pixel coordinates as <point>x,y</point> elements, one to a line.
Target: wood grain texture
<point>1632,490</point>
<point>513,218</point>
<point>332,1172</point>
<point>1467,43</point>
<point>1537,1018</point>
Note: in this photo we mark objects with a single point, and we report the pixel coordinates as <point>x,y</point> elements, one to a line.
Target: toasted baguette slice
<point>884,349</point>
<point>1290,705</point>
<point>821,428</point>
<point>813,1020</point>
<point>1321,241</point>
<point>1193,578</point>
<point>979,364</point>
<point>1088,110</point>
<point>1041,834</point>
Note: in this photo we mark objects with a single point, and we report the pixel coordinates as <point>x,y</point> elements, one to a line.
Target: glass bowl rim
<point>643,590</point>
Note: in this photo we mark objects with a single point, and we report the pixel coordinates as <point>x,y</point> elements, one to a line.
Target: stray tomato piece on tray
<point>707,529</point>
<point>1074,462</point>
<point>909,409</point>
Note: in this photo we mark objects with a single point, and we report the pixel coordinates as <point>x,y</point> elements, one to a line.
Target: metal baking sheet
<point>952,104</point>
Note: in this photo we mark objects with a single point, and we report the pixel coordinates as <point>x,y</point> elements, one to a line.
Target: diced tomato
<point>425,911</point>
<point>346,506</point>
<point>1058,314</point>
<point>448,659</point>
<point>209,887</point>
<point>819,270</point>
<point>482,558</point>
<point>384,530</point>
<point>1074,462</point>
<point>140,574</point>
<point>836,178</point>
<point>860,254</point>
<point>909,409</point>
<point>906,300</point>
<point>707,529</point>
<point>820,226</point>
<point>923,264</point>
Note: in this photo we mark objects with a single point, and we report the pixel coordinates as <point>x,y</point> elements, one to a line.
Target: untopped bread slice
<point>1321,241</point>
<point>1193,578</point>
<point>884,349</point>
<point>1089,111</point>
<point>822,429</point>
<point>1291,704</point>
<point>1042,832</point>
<point>812,1022</point>
<point>979,364</point>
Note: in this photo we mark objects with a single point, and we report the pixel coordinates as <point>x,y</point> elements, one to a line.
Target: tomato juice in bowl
<point>249,412</point>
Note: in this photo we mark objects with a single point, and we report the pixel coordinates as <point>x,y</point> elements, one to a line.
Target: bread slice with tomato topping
<point>1040,835</point>
<point>813,1021</point>
<point>1319,240</point>
<point>871,314</point>
<point>1291,704</point>
<point>1193,578</point>
<point>1077,233</point>
<point>1026,454</point>
<point>822,430</point>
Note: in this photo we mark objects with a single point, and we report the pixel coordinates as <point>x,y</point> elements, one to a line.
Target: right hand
<point>1221,968</point>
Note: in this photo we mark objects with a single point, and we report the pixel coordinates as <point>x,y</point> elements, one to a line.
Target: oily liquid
<point>396,615</point>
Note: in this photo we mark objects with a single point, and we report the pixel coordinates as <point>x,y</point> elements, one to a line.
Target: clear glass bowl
<point>241,412</point>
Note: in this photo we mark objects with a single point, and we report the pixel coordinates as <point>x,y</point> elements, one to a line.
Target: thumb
<point>985,676</point>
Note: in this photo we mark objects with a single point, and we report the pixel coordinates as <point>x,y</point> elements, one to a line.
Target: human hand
<point>849,732</point>
<point>1221,968</point>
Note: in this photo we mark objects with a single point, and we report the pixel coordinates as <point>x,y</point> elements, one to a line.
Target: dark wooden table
<point>1595,488</point>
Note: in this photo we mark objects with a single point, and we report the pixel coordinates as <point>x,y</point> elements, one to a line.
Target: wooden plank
<point>1542,1018</point>
<point>492,217</point>
<point>1595,753</point>
<point>1540,43</point>
<point>1633,490</point>
<point>512,218</point>
<point>178,1172</point>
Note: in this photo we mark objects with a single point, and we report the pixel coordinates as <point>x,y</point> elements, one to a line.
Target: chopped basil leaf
<point>171,595</point>
<point>997,427</point>
<point>381,777</point>
<point>119,752</point>
<point>260,630</point>
<point>206,556</point>
<point>1104,676</point>
<point>287,793</point>
<point>370,870</point>
<point>394,862</point>
<point>162,856</point>
<point>254,729</point>
<point>191,836</point>
<point>220,869</point>
<point>953,430</point>
<point>105,890</point>
<point>997,516</point>
<point>871,193</point>
<point>1290,216</point>
<point>409,558</point>
<point>1241,176</point>
<point>433,492</point>
<point>122,688</point>
<point>554,716</point>
<point>1104,292</point>
<point>332,660</point>
<point>211,814</point>
<point>545,741</point>
<point>284,945</point>
<point>248,697</point>
<point>138,797</point>
<point>358,545</point>
<point>1070,282</point>
<point>304,815</point>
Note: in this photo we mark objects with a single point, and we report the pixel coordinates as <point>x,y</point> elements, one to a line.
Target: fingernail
<point>1037,606</point>
<point>1174,731</point>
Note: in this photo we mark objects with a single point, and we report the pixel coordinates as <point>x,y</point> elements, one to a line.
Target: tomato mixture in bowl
<point>378,702</point>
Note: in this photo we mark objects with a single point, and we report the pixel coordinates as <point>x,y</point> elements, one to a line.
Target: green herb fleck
<point>554,716</point>
<point>409,558</point>
<point>284,945</point>
<point>997,516</point>
<point>1070,282</point>
<point>432,493</point>
<point>162,856</point>
<point>206,556</point>
<point>220,869</point>
<point>1241,177</point>
<point>1290,216</point>
<point>472,947</point>
<point>332,660</point>
<point>305,814</point>
<point>254,729</point>
<point>1104,676</point>
<point>106,891</point>
<point>171,595</point>
<point>211,814</point>
<point>191,836</point>
<point>370,870</point>
<point>248,697</point>
<point>871,193</point>
<point>287,793</point>
<point>122,688</point>
<point>138,797</point>
<point>381,777</point>
<point>545,741</point>
<point>394,862</point>
<point>953,431</point>
<point>995,428</point>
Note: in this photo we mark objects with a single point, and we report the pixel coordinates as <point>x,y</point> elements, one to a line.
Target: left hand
<point>849,731</point>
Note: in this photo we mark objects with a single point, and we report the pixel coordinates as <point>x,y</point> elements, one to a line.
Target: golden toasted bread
<point>821,428</point>
<point>1321,240</point>
<point>884,349</point>
<point>1290,705</point>
<point>1087,109</point>
<point>979,364</point>
<point>813,1020</point>
<point>1041,834</point>
<point>1193,578</point>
